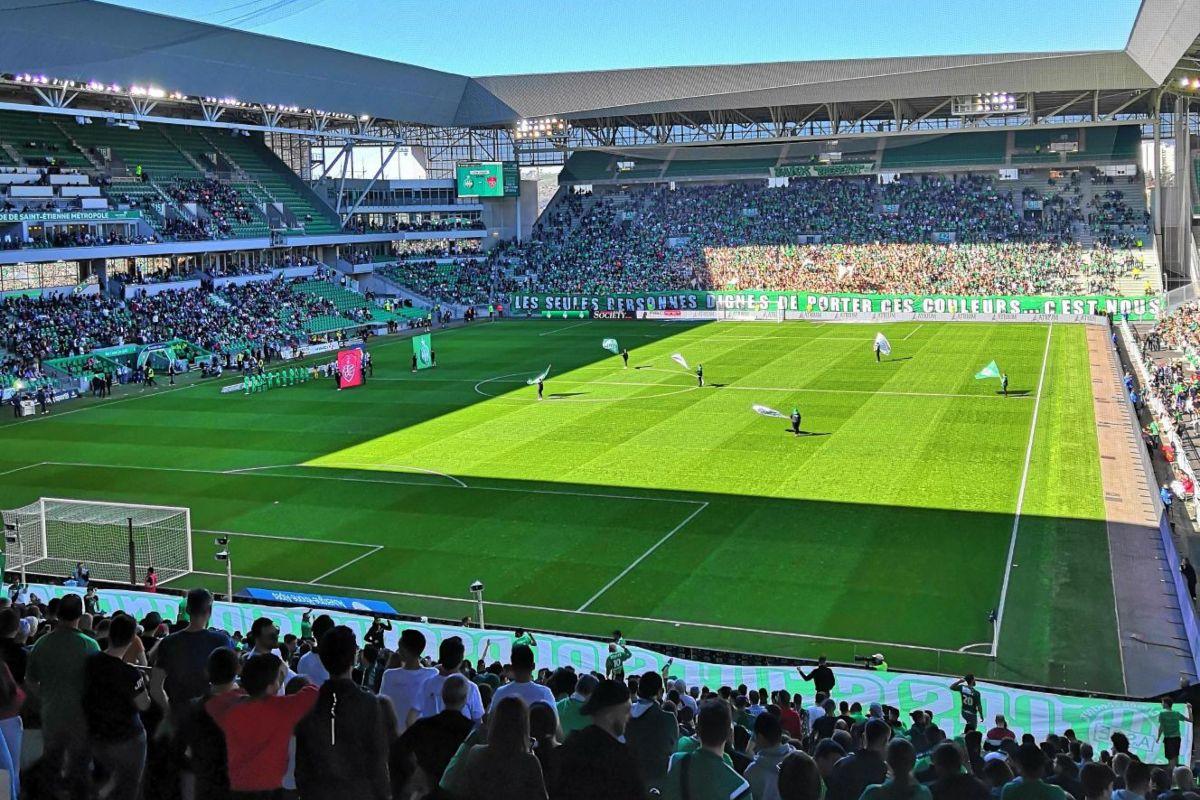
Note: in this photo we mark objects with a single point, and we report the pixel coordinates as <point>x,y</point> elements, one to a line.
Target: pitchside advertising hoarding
<point>1094,719</point>
<point>1131,308</point>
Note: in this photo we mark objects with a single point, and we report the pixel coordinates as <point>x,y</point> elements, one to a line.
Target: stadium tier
<point>812,430</point>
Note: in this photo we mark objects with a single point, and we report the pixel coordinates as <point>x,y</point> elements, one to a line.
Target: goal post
<point>117,542</point>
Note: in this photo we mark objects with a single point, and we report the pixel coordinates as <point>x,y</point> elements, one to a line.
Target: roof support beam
<point>1136,98</point>
<point>929,113</point>
<point>1079,97</point>
<point>375,178</point>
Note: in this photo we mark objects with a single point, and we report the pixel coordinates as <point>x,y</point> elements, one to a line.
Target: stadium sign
<point>1145,308</point>
<point>823,170</point>
<point>70,216</point>
<point>1093,719</point>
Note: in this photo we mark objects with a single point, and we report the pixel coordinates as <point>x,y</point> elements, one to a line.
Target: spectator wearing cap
<point>594,764</point>
<point>1097,780</point>
<point>342,746</point>
<point>951,782</point>
<point>1031,764</point>
<point>114,696</point>
<point>523,685</point>
<point>652,733</point>
<point>854,773</point>
<point>180,659</point>
<point>310,665</point>
<point>570,715</point>
<point>769,752</point>
<point>429,701</point>
<point>402,684</point>
<point>505,768</point>
<point>55,675</point>
<point>425,749</point>
<point>705,773</point>
<point>198,733</point>
<point>258,723</point>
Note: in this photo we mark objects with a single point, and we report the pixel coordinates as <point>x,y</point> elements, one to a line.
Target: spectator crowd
<point>160,708</point>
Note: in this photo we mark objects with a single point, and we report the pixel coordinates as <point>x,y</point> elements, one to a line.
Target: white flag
<point>539,378</point>
<point>680,360</point>
<point>883,344</point>
<point>766,411</point>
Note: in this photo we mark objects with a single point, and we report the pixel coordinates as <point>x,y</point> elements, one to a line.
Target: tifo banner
<point>1131,308</point>
<point>1038,713</point>
<point>423,350</point>
<point>349,364</point>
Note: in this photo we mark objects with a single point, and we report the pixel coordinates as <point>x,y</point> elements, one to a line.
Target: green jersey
<point>614,665</point>
<point>1168,722</point>
<point>708,777</point>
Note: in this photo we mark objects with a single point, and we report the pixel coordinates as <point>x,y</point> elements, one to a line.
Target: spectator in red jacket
<point>258,726</point>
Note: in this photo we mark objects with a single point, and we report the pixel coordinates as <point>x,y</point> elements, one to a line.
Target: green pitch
<point>632,499</point>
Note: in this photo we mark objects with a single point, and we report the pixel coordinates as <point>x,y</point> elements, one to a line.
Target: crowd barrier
<point>1093,719</point>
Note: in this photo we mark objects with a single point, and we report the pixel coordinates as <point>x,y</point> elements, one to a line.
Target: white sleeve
<point>474,702</point>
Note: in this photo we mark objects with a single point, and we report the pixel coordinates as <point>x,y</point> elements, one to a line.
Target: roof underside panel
<point>88,40</point>
<point>1164,30</point>
<point>700,89</point>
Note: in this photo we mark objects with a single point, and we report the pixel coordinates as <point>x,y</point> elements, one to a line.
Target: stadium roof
<point>85,39</point>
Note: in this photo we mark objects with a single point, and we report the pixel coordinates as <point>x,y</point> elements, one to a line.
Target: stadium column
<point>97,267</point>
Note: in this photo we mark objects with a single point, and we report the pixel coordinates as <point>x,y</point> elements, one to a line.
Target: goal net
<point>50,536</point>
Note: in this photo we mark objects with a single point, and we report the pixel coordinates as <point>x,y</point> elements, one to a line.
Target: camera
<point>223,555</point>
<point>10,532</point>
<point>871,661</point>
<point>477,586</point>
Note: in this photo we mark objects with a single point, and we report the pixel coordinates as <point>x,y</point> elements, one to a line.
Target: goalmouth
<point>118,542</point>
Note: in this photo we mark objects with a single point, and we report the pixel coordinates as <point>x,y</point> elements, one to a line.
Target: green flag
<point>611,346</point>
<point>423,350</point>
<point>990,371</point>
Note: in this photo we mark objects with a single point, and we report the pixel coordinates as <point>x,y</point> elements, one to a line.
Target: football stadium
<point>796,429</point>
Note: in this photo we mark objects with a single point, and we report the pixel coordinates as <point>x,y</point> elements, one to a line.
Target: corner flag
<point>611,346</point>
<point>990,371</point>
<point>680,360</point>
<point>541,377</point>
<point>883,344</point>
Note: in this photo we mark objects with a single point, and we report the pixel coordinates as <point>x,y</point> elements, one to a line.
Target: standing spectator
<point>151,583</point>
<point>429,702</point>
<point>1097,780</point>
<point>403,684</point>
<point>902,785</point>
<point>505,768</point>
<point>114,696</point>
<point>429,744</point>
<point>799,779</point>
<point>310,665</point>
<point>951,782</point>
<point>55,676</point>
<point>523,685</point>
<point>1168,731</point>
<point>594,764</point>
<point>543,730</point>
<point>341,746</point>
<point>704,774</point>
<point>1031,763</point>
<point>1189,575</point>
<point>180,659</point>
<point>258,723</point>
<point>822,677</point>
<point>999,732</point>
<point>769,752</point>
<point>854,773</point>
<point>652,733</point>
<point>199,735</point>
<point>969,695</point>
<point>570,715</point>
<point>12,698</point>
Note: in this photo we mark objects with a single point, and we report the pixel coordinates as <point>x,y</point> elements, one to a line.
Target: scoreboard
<point>487,179</point>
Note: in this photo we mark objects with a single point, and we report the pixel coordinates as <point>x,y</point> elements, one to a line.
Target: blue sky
<point>486,37</point>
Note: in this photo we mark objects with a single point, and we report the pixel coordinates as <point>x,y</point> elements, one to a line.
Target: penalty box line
<point>371,549</point>
<point>603,615</point>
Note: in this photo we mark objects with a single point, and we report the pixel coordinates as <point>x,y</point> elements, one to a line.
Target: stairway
<point>95,162</point>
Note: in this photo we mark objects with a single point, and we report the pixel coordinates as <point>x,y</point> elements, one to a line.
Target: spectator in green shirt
<point>902,785</point>
<point>56,675</point>
<point>703,774</point>
<point>614,665</point>
<point>1168,731</point>
<point>522,636</point>
<point>1031,763</point>
<point>570,715</point>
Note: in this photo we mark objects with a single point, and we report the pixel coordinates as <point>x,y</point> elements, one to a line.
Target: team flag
<point>423,349</point>
<point>766,411</point>
<point>883,344</point>
<point>990,371</point>
<point>539,378</point>
<point>349,367</point>
<point>611,346</point>
<point>680,360</point>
